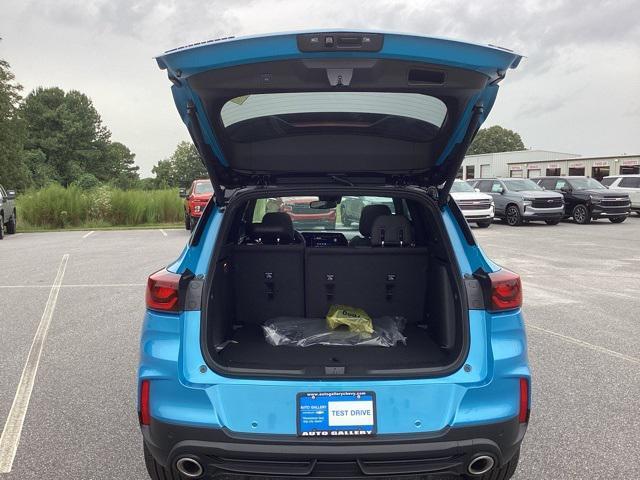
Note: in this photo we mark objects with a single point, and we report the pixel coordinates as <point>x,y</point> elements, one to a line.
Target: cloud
<point>581,56</point>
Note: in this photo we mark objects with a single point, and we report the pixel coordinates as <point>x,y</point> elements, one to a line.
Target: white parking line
<point>13,427</point>
<point>78,285</point>
<point>584,344</point>
<point>163,232</point>
<point>87,234</point>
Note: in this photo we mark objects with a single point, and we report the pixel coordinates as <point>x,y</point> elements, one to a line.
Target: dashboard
<point>324,239</point>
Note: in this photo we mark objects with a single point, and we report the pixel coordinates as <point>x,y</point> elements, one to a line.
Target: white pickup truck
<point>476,207</point>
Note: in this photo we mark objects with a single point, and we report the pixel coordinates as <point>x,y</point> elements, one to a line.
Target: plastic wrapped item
<point>304,332</point>
<point>356,319</point>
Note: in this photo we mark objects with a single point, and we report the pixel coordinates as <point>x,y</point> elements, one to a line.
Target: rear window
<point>411,116</point>
<point>345,217</point>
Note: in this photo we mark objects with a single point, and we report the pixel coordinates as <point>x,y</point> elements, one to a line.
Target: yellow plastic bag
<point>355,318</point>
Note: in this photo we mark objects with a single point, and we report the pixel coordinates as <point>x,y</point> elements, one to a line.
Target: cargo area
<point>392,263</point>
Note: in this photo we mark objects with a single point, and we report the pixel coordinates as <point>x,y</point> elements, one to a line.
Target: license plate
<point>333,414</point>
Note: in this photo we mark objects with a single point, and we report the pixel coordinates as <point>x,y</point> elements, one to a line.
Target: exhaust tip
<point>189,467</point>
<point>481,465</point>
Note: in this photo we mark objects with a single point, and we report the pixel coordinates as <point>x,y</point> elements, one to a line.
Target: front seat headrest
<point>391,231</point>
<point>368,216</point>
<point>276,228</point>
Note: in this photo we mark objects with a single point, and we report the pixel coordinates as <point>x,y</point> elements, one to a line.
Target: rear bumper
<point>226,454</point>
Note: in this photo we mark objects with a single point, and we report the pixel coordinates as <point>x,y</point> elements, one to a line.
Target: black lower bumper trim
<point>225,454</point>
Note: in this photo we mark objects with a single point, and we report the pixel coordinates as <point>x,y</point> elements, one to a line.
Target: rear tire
<point>157,471</point>
<point>187,221</point>
<point>503,473</point>
<point>485,224</point>
<point>552,222</point>
<point>581,214</point>
<point>11,225</point>
<point>513,216</point>
<point>193,221</point>
<point>1,227</point>
<point>612,220</point>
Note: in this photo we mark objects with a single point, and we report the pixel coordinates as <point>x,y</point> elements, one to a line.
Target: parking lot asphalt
<point>582,304</point>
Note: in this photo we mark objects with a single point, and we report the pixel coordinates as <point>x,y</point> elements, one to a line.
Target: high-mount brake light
<point>506,291</point>
<point>163,291</point>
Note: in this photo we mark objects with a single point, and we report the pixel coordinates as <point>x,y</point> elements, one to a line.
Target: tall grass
<point>59,207</point>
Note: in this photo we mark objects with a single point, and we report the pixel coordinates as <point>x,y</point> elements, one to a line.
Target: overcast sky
<point>577,91</point>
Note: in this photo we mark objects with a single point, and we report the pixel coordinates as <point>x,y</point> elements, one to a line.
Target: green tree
<point>87,181</point>
<point>66,139</point>
<point>125,171</point>
<point>68,130</point>
<point>163,171</point>
<point>187,165</point>
<point>495,139</point>
<point>181,168</point>
<point>14,172</point>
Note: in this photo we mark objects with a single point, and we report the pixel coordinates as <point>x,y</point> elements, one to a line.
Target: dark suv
<point>7,211</point>
<point>587,199</point>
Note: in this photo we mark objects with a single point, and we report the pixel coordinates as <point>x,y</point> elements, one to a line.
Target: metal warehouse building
<point>536,163</point>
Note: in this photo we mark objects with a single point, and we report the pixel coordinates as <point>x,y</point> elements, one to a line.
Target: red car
<point>196,198</point>
<point>303,215</point>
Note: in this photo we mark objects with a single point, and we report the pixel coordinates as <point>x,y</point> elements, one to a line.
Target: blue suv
<point>241,375</point>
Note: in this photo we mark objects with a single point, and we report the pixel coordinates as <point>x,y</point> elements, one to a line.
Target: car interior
<point>394,266</point>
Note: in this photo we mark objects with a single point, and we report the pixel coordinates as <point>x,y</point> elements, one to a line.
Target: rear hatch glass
<point>409,116</point>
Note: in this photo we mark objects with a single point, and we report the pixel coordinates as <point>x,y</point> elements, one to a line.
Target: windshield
<point>586,184</point>
<point>460,186</point>
<point>203,187</point>
<point>521,185</point>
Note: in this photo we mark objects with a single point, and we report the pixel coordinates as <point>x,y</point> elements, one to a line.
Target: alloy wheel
<point>581,214</point>
<point>513,216</point>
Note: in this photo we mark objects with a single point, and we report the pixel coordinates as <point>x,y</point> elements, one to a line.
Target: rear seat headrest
<point>368,215</point>
<point>392,231</point>
<point>276,228</point>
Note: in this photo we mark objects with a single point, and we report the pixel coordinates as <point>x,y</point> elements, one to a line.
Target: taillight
<point>144,415</point>
<point>506,291</point>
<point>163,291</point>
<point>524,410</point>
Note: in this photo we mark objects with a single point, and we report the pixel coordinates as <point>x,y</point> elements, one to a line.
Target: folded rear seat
<point>388,278</point>
<point>269,271</point>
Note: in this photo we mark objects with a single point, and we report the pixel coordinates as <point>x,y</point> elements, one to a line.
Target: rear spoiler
<point>457,155</point>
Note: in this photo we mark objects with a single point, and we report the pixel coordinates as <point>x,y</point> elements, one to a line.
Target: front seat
<point>276,228</point>
<point>391,231</point>
<point>368,215</point>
